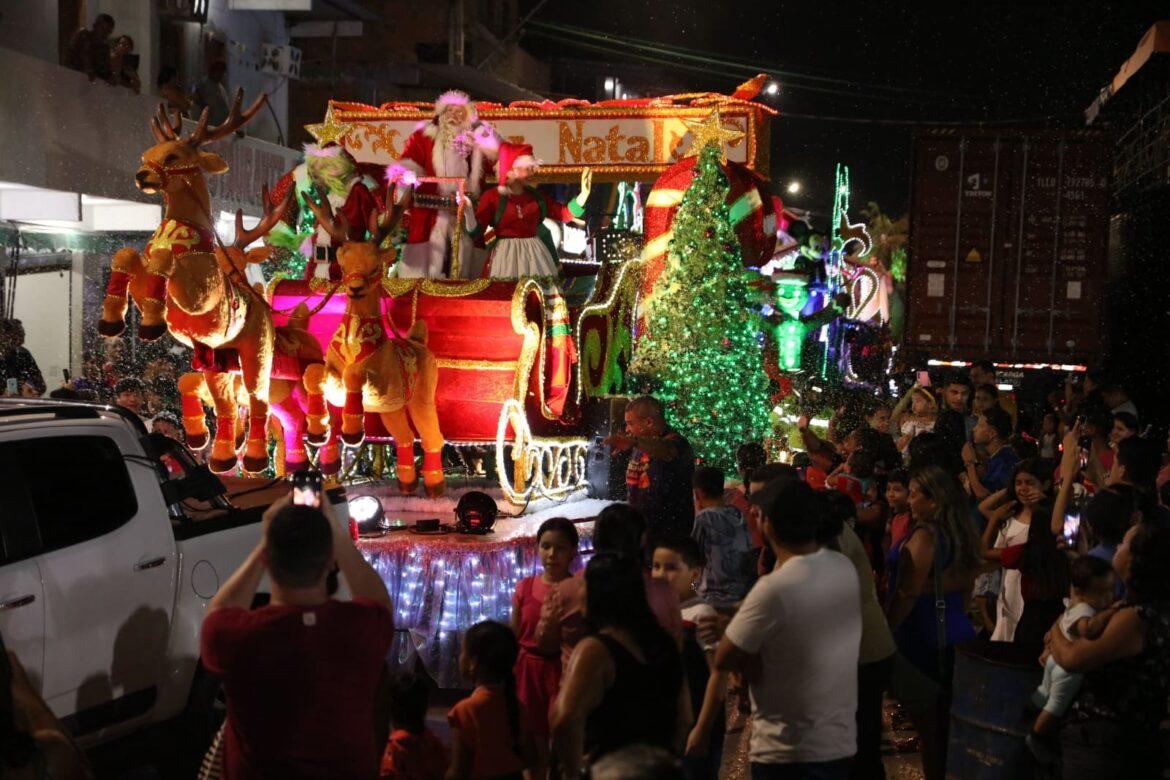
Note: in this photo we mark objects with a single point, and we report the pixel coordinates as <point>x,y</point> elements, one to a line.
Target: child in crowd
<point>986,396</point>
<point>724,542</point>
<point>748,457</point>
<point>898,501</point>
<point>1088,613</point>
<point>679,562</point>
<point>538,607</point>
<point>413,751</point>
<point>490,732</point>
<point>1049,439</point>
<point>922,417</point>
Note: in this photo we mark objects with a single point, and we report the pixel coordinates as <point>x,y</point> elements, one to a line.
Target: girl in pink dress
<point>538,610</point>
<point>515,211</point>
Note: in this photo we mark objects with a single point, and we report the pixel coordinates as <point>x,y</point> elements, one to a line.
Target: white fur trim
<point>411,165</point>
<point>430,129</point>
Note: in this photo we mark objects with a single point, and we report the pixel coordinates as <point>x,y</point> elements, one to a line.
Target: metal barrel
<point>989,713</point>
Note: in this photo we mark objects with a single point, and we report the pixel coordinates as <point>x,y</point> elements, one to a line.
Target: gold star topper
<point>330,131</point>
<point>711,131</point>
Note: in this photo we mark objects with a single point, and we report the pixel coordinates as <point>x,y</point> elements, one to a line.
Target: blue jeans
<point>811,770</point>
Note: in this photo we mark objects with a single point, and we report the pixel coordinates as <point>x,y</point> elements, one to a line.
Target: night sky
<point>937,61</point>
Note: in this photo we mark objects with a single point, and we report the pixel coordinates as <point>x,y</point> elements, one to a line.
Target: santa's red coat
<point>419,156</point>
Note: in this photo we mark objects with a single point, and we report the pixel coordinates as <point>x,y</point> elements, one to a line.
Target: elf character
<point>515,211</point>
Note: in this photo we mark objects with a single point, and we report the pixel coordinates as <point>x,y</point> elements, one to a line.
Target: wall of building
<point>243,33</point>
<point>30,28</point>
<point>42,303</point>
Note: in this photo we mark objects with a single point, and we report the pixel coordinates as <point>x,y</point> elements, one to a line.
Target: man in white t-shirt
<point>797,638</point>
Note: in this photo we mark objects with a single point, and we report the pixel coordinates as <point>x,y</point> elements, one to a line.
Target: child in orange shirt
<point>413,752</point>
<point>490,735</point>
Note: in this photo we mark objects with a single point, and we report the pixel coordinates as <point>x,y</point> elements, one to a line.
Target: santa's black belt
<point>323,253</point>
<point>446,203</point>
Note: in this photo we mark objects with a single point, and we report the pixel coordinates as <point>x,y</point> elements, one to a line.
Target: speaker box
<point>605,470</point>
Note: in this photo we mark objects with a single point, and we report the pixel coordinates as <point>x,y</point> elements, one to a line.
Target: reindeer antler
<point>165,125</point>
<point>336,226</point>
<point>382,223</point>
<point>272,215</point>
<point>235,120</point>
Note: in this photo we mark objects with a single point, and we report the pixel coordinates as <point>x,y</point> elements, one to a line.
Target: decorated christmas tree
<point>702,351</point>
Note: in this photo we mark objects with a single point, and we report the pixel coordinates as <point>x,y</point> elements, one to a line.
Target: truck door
<point>108,566</point>
<point>22,599</point>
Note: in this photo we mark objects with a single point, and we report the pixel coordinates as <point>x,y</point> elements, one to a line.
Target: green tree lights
<point>702,351</point>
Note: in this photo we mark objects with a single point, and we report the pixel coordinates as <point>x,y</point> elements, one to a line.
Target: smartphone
<point>306,487</point>
<point>1072,527</point>
<point>65,373</point>
<point>924,379</point>
<point>12,388</point>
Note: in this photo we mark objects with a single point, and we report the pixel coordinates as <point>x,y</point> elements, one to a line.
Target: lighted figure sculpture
<point>453,144</point>
<point>791,298</point>
<point>368,369</point>
<point>181,283</point>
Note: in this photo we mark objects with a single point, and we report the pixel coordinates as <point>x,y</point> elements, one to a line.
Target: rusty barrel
<point>990,691</point>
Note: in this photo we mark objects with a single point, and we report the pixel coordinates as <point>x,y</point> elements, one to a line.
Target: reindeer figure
<point>369,370</point>
<point>182,284</point>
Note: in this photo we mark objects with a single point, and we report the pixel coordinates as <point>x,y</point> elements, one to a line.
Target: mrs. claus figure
<point>515,211</point>
<point>452,144</point>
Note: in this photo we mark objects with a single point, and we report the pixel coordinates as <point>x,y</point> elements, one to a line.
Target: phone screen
<point>12,387</point>
<point>306,487</point>
<point>924,379</point>
<point>1072,526</point>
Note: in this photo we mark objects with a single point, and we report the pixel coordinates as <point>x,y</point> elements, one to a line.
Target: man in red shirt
<point>301,673</point>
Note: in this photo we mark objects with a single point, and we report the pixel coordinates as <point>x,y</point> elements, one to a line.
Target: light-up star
<point>711,131</point>
<point>329,131</point>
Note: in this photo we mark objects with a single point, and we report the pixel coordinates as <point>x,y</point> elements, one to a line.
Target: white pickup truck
<point>104,574</point>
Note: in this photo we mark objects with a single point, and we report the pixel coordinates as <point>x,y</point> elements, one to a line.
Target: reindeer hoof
<point>197,441</point>
<point>255,465</point>
<point>353,439</point>
<point>111,329</point>
<point>151,332</point>
<point>436,490</point>
<point>408,488</point>
<point>317,439</point>
<point>223,465</point>
<point>293,465</point>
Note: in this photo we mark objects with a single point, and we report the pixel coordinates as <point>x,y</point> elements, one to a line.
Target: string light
<point>701,351</point>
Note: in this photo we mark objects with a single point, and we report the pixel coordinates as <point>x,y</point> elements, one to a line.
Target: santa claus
<point>453,144</point>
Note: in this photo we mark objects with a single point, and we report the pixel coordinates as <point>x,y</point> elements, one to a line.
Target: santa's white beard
<point>447,159</point>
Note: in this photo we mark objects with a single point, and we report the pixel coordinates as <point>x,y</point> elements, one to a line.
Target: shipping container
<point>1008,244</point>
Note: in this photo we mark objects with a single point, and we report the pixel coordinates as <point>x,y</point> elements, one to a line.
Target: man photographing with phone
<point>302,672</point>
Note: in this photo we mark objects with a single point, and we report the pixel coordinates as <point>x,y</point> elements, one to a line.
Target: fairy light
<point>701,349</point>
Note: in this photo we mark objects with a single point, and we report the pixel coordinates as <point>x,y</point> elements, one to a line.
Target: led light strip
<point>552,468</point>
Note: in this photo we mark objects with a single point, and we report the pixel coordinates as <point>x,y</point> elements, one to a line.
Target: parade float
<point>421,298</point>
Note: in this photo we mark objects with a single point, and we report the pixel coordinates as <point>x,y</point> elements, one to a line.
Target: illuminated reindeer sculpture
<point>368,369</point>
<point>184,284</point>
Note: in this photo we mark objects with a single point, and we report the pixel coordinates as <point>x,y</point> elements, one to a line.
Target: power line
<point>930,122</point>
<point>736,74</point>
<point>713,58</point>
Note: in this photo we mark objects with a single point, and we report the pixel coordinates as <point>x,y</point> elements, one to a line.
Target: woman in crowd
<point>124,64</point>
<point>624,682</point>
<point>941,547</point>
<point>1112,729</point>
<point>1009,514</point>
<point>1043,572</point>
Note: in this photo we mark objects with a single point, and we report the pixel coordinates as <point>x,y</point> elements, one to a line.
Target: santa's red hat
<point>454,97</point>
<point>512,155</point>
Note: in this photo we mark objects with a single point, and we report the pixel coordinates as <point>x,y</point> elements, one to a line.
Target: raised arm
<point>359,575</point>
<point>1122,638</point>
<point>1068,473</point>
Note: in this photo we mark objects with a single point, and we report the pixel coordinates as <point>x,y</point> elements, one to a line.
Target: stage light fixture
<point>367,512</point>
<point>773,88</point>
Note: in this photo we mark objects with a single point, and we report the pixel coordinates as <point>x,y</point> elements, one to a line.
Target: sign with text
<point>617,143</point>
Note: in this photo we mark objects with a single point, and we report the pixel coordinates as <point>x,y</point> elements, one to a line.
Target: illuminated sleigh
<point>494,346</point>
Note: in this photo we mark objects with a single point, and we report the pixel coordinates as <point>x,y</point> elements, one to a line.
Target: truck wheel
<point>206,709</point>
